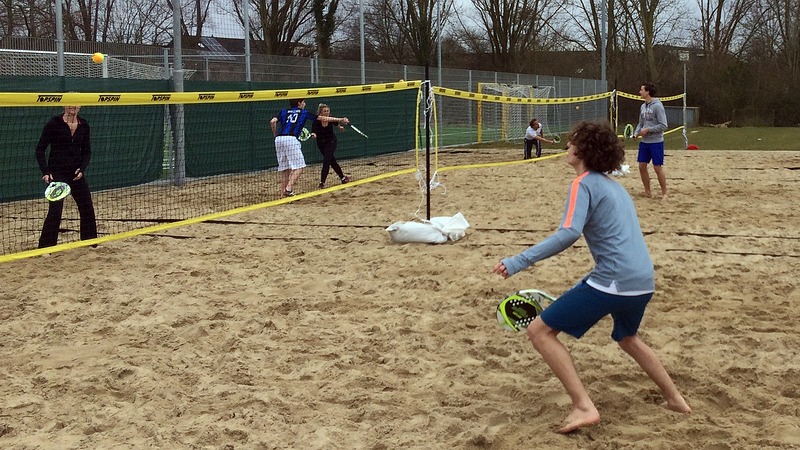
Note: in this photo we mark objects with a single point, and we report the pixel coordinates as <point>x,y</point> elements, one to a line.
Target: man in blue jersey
<point>620,284</point>
<point>287,126</point>
<point>651,128</point>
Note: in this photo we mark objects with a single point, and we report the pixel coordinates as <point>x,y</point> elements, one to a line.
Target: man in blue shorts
<point>651,128</point>
<point>621,283</point>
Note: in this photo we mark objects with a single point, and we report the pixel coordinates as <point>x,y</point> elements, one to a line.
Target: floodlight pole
<point>363,58</point>
<point>60,39</point>
<point>439,39</point>
<point>179,174</point>
<point>439,109</point>
<point>603,16</point>
<point>246,20</point>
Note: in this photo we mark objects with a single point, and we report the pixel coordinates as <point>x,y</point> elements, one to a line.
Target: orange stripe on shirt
<point>573,197</point>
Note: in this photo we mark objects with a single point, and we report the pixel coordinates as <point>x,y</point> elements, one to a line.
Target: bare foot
<point>579,419</point>
<point>646,194</point>
<point>664,197</point>
<point>678,405</point>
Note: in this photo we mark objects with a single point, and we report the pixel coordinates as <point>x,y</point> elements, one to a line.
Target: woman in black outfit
<point>326,142</point>
<point>70,150</point>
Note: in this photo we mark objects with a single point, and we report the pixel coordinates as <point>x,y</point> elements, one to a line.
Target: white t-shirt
<point>530,133</point>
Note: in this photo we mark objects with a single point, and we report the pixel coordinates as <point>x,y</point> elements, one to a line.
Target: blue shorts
<point>654,151</point>
<point>581,307</point>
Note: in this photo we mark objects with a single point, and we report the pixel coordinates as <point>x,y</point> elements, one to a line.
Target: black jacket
<point>68,152</point>
<point>324,133</point>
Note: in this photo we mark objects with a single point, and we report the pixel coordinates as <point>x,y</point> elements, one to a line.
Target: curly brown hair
<point>598,146</point>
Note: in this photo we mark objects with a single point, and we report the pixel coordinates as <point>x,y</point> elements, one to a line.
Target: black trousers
<point>328,148</point>
<point>83,198</point>
<point>529,144</point>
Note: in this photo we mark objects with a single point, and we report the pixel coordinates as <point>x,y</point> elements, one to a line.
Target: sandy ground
<point>303,326</point>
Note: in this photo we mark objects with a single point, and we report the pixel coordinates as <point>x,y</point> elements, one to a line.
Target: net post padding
<point>427,179</point>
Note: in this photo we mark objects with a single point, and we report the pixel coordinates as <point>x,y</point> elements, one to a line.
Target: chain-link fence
<point>34,56</point>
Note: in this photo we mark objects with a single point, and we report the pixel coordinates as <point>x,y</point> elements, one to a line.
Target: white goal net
<point>511,120</point>
<point>44,63</point>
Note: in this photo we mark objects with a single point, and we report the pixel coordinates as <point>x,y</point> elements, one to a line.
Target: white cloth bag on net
<point>436,231</point>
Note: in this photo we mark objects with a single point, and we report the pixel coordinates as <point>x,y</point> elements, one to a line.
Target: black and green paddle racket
<point>518,310</point>
<point>57,190</point>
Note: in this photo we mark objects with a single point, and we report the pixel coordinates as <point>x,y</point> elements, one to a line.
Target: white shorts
<point>289,153</point>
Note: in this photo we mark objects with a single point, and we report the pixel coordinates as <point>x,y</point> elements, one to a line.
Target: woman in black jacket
<point>326,142</point>
<point>70,151</point>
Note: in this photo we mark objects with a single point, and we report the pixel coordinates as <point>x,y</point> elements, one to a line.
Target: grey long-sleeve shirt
<point>602,210</point>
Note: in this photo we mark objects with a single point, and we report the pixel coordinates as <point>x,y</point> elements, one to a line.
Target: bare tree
<point>720,31</point>
<point>278,27</point>
<point>782,24</point>
<point>405,31</point>
<point>652,22</point>
<point>87,20</point>
<point>325,25</point>
<point>131,21</point>
<point>509,30</point>
<point>35,18</point>
<point>585,32</point>
<point>141,22</point>
<point>194,16</point>
<point>645,12</point>
<point>419,29</point>
<point>8,20</point>
<point>383,25</point>
<point>430,22</point>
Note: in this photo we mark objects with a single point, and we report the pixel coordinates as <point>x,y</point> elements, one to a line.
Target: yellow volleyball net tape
<point>168,98</point>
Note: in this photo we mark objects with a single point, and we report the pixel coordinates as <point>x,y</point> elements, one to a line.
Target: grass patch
<point>744,138</point>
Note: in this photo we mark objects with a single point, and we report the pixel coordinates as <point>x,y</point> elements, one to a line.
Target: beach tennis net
<point>159,156</point>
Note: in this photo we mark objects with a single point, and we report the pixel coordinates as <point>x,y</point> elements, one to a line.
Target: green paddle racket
<point>57,190</point>
<point>518,310</point>
<point>628,131</point>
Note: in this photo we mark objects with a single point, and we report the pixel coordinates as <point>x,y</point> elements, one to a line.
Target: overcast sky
<point>224,24</point>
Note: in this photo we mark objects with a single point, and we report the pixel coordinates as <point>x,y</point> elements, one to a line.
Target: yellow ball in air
<point>98,57</point>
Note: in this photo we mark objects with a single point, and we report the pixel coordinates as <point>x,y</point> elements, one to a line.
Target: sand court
<point>303,326</point>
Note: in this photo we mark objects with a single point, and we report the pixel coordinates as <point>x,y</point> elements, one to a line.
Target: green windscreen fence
<point>132,144</point>
<point>236,137</point>
<point>127,141</point>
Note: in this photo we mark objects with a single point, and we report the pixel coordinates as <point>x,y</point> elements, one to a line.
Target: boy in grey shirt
<point>651,128</point>
<point>621,283</point>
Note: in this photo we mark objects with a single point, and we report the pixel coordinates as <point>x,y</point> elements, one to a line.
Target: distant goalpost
<point>513,118</point>
<point>502,113</point>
